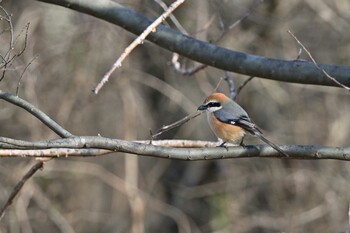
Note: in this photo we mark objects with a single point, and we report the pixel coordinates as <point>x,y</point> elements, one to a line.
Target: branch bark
<point>295,71</point>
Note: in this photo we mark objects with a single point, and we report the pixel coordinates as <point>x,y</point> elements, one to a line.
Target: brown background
<point>243,195</point>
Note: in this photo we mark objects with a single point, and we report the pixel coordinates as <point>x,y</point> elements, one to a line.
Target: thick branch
<point>144,149</point>
<point>295,71</point>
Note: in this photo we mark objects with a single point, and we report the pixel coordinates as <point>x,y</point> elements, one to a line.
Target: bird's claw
<point>223,145</point>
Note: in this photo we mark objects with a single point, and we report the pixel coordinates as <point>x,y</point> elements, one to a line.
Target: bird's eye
<point>213,104</point>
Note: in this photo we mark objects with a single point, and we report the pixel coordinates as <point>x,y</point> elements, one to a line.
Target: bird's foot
<point>223,145</point>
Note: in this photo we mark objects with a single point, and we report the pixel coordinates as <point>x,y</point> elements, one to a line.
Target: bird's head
<point>213,102</point>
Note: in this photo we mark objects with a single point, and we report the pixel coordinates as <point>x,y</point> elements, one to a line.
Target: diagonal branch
<point>315,63</point>
<point>139,40</point>
<point>35,112</point>
<point>38,165</point>
<point>294,71</point>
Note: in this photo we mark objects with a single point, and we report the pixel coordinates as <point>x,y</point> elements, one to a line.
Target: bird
<point>230,122</point>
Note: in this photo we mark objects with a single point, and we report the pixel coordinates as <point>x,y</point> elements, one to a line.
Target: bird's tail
<point>274,146</point>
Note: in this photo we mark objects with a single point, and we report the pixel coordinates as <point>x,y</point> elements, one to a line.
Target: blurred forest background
<point>74,50</point>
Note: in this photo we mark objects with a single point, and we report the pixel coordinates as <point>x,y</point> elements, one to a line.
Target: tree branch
<point>38,165</point>
<point>295,71</point>
<point>145,149</point>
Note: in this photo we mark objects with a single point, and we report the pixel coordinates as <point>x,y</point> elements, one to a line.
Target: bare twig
<point>217,85</point>
<point>172,17</point>
<point>24,29</point>
<point>5,62</point>
<point>24,70</point>
<point>240,88</point>
<point>38,165</point>
<point>175,124</point>
<point>139,40</point>
<point>315,63</point>
<point>7,59</point>
<point>8,19</point>
<point>239,21</point>
<point>35,112</point>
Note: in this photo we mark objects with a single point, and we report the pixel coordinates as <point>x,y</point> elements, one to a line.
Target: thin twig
<point>24,70</point>
<point>315,63</point>
<point>9,60</point>
<point>175,124</point>
<point>8,18</point>
<point>238,21</point>
<point>5,58</point>
<point>139,40</point>
<point>217,85</point>
<point>172,17</point>
<point>59,130</point>
<point>240,88</point>
<point>38,165</point>
<point>26,29</point>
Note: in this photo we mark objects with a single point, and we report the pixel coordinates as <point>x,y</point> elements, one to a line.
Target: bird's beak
<point>203,107</point>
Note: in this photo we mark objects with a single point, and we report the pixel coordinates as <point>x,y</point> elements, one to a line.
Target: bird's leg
<point>242,143</point>
<point>223,145</point>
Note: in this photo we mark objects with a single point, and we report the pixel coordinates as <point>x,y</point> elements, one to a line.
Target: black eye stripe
<point>213,104</point>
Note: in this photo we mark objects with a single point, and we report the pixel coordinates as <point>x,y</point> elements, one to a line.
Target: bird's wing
<point>239,118</point>
<point>245,123</point>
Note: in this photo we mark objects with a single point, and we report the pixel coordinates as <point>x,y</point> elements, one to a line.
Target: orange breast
<point>227,132</point>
